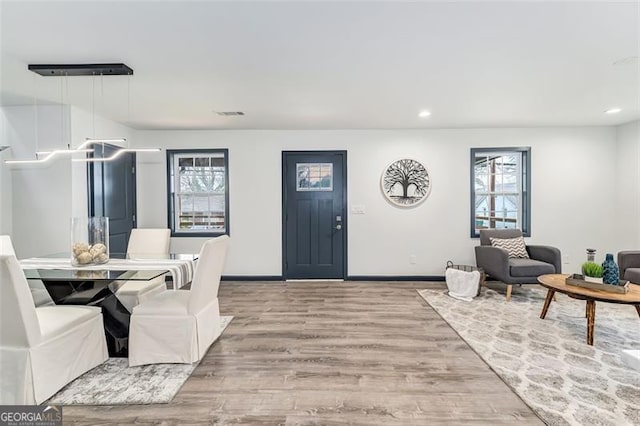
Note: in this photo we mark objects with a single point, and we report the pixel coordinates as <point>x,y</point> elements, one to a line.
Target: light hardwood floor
<point>331,353</point>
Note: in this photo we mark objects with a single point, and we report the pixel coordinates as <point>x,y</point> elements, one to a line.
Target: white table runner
<point>181,269</point>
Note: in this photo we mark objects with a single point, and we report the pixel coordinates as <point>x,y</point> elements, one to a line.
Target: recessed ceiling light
<point>613,110</point>
<point>424,113</point>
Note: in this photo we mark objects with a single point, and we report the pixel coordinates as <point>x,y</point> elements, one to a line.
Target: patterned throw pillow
<point>515,246</point>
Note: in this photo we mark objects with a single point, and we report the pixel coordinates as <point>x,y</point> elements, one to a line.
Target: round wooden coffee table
<point>556,283</point>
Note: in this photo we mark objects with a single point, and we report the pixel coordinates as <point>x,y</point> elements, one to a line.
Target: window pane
<point>510,163</point>
<point>202,162</point>
<point>200,213</point>
<point>217,206</point>
<point>498,166</point>
<point>185,209</point>
<point>482,203</point>
<point>510,181</point>
<point>185,162</point>
<point>481,177</point>
<point>216,203</point>
<point>186,180</point>
<point>218,181</point>
<point>495,182</point>
<point>511,203</point>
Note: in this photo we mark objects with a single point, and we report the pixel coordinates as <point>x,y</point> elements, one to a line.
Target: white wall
<point>5,177</point>
<point>628,186</point>
<point>573,173</point>
<point>43,198</point>
<point>40,194</point>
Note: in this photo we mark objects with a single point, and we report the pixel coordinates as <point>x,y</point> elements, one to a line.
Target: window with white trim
<point>198,192</point>
<point>501,189</point>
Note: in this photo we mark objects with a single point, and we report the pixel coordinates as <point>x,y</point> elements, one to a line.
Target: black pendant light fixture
<point>72,70</point>
<point>91,70</point>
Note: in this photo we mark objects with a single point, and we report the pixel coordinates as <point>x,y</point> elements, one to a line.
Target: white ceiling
<point>331,65</point>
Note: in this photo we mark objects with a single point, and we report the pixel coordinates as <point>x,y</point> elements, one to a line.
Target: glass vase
<point>89,240</point>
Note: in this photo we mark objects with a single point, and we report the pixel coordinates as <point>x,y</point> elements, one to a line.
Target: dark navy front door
<point>314,214</point>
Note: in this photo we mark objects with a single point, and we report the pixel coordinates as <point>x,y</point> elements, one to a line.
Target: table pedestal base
<point>115,316</point>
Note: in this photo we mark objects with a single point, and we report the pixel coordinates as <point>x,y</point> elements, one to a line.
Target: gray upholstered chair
<point>496,262</point>
<point>629,264</point>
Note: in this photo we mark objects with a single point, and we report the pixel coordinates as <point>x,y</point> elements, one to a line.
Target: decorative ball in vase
<point>89,240</point>
<point>610,271</point>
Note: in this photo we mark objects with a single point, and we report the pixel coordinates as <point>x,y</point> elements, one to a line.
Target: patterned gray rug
<point>547,362</point>
<point>115,383</point>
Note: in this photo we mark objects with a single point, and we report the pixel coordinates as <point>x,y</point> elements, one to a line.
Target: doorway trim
<point>345,244</point>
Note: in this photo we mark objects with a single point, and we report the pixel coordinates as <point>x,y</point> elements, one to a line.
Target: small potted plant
<point>592,272</point>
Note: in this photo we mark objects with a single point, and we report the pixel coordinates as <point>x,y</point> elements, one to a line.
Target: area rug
<point>115,383</point>
<point>547,362</point>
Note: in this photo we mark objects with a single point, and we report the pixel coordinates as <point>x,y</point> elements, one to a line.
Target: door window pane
<point>314,177</point>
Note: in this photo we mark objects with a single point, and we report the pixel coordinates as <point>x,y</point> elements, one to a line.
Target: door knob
<point>338,227</point>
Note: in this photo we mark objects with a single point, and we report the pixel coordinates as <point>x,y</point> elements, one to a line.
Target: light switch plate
<point>357,209</point>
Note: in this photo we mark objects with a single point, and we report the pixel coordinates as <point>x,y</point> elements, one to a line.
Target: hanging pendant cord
<point>93,103</point>
<point>66,91</point>
<point>102,102</point>
<point>129,100</point>
<point>128,105</point>
<point>35,115</point>
<point>62,111</point>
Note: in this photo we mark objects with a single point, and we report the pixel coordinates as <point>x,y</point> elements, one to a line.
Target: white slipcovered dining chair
<point>6,246</point>
<point>145,243</point>
<point>179,326</point>
<point>42,348</point>
<point>39,293</point>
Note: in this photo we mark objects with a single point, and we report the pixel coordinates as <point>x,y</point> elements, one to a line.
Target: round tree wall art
<point>406,182</point>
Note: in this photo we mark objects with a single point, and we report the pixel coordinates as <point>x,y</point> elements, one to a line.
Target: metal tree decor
<point>406,182</point>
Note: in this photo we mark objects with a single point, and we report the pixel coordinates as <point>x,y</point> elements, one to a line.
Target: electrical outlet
<point>412,259</point>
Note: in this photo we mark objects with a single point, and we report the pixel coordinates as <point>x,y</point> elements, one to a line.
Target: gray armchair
<point>629,264</point>
<point>496,262</point>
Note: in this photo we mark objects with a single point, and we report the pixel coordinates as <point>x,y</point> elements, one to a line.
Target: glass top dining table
<point>96,285</point>
<point>91,275</point>
<point>121,266</point>
<point>131,256</point>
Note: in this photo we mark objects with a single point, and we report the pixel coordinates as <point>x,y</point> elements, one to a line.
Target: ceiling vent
<point>229,113</point>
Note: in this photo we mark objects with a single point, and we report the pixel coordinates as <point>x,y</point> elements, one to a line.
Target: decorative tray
<point>578,281</point>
